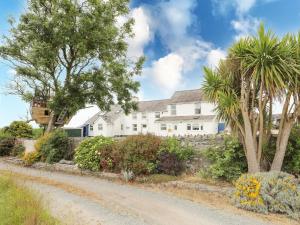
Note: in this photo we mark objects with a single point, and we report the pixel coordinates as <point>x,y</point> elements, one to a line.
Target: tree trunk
<point>281,145</point>
<point>51,123</point>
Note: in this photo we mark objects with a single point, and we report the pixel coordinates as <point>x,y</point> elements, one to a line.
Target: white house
<point>185,113</point>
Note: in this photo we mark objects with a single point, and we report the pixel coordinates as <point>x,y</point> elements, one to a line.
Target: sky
<point>177,37</point>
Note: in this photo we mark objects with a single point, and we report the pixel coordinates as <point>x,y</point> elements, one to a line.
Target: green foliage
<point>139,153</point>
<point>228,160</point>
<point>18,150</point>
<point>169,163</point>
<point>37,133</point>
<point>55,147</point>
<point>88,153</point>
<point>173,145</point>
<point>49,51</point>
<point>7,144</point>
<point>19,206</point>
<point>20,129</point>
<point>273,192</point>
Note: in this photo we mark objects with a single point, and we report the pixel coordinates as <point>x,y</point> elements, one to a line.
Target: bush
<point>274,192</point>
<point>41,141</point>
<point>20,129</point>
<point>169,163</point>
<point>31,157</point>
<point>172,145</point>
<point>18,150</point>
<point>37,133</point>
<point>7,144</point>
<point>88,153</point>
<point>227,161</point>
<point>55,146</point>
<point>139,153</point>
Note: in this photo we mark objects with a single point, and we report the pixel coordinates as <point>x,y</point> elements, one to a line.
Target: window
<point>144,125</point>
<point>163,127</point>
<point>175,127</point>
<point>157,115</point>
<point>198,108</point>
<point>196,127</point>
<point>100,126</point>
<point>46,112</point>
<point>201,127</point>
<point>173,109</point>
<point>134,115</point>
<point>144,115</point>
<point>188,127</point>
<point>91,127</point>
<point>134,127</point>
<point>122,127</point>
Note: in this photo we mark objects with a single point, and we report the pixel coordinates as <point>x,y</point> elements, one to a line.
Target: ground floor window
<point>175,127</point>
<point>188,127</point>
<point>196,127</point>
<point>134,127</point>
<point>100,126</point>
<point>201,127</point>
<point>122,127</point>
<point>144,125</point>
<point>91,127</point>
<point>163,127</point>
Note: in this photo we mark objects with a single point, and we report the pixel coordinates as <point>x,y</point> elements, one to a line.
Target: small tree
<point>20,129</point>
<point>71,53</point>
<point>256,71</point>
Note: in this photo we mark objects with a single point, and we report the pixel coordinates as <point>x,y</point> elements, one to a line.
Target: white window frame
<point>173,109</point>
<point>91,128</point>
<point>188,126</point>
<point>157,115</point>
<point>198,109</point>
<point>100,126</point>
<point>134,127</point>
<point>163,126</point>
<point>195,127</point>
<point>134,116</point>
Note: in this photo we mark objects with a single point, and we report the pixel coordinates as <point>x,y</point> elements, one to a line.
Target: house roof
<point>82,116</point>
<point>114,112</point>
<point>93,119</point>
<point>153,106</point>
<point>185,118</point>
<point>187,96</point>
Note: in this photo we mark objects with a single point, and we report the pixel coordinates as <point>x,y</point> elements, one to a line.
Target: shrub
<point>139,153</point>
<point>7,144</point>
<point>227,161</point>
<point>88,153</point>
<point>18,150</point>
<point>274,192</point>
<point>41,141</point>
<point>172,145</point>
<point>169,163</point>
<point>31,157</point>
<point>20,129</point>
<point>37,133</point>
<point>55,146</point>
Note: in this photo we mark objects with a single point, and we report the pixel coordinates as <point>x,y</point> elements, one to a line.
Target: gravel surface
<point>79,200</point>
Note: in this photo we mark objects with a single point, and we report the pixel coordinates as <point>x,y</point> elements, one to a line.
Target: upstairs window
<point>144,115</point>
<point>134,116</point>
<point>173,109</point>
<point>198,108</point>
<point>134,127</point>
<point>100,126</point>
<point>188,127</point>
<point>157,115</point>
<point>196,127</point>
<point>163,127</point>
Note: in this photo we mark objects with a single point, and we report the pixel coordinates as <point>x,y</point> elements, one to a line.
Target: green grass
<point>20,206</point>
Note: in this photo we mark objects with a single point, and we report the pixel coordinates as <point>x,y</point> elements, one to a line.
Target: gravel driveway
<point>78,200</point>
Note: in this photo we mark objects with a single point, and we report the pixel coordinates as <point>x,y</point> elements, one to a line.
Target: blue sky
<point>177,37</point>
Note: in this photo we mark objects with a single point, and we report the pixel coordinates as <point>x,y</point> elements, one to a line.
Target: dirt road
<point>78,200</point>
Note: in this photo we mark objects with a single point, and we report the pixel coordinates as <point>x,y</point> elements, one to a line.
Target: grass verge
<point>20,206</point>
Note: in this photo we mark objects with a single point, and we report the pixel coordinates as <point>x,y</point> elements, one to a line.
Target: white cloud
<point>243,6</point>
<point>245,27</point>
<point>142,32</point>
<point>214,56</point>
<point>167,72</point>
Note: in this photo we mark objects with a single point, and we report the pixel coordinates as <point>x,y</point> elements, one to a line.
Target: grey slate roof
<point>187,96</point>
<point>185,118</point>
<point>93,119</point>
<point>153,106</point>
<point>114,112</point>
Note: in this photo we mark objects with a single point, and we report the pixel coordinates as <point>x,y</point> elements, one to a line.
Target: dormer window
<point>134,116</point>
<point>197,108</point>
<point>173,109</point>
<point>144,115</point>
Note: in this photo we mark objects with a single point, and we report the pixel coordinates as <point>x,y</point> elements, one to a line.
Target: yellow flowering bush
<point>274,192</point>
<point>31,157</point>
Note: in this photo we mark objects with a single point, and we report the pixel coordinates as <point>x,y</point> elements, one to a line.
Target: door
<point>221,127</point>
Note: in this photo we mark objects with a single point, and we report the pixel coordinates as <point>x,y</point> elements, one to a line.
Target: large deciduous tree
<point>257,71</point>
<point>73,52</point>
